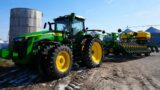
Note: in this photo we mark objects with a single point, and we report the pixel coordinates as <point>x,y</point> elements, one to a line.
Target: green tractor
<point>55,50</point>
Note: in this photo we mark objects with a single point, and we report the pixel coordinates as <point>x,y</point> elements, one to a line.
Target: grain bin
<point>24,20</point>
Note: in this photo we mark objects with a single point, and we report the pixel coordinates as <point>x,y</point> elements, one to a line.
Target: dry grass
<point>6,63</point>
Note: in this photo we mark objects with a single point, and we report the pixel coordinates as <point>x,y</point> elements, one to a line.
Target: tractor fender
<point>90,36</point>
<point>87,36</point>
<point>44,42</point>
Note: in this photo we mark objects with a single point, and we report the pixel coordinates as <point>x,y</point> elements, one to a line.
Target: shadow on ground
<point>14,76</point>
<point>121,58</point>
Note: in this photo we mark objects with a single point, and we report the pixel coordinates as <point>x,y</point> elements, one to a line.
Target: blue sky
<point>100,14</point>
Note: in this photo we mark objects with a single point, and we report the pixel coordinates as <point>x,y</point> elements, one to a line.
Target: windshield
<point>77,26</point>
<point>61,25</point>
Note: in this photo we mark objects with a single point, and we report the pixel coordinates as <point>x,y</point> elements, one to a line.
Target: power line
<point>141,26</point>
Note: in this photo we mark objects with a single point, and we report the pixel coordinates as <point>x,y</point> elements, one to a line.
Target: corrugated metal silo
<point>24,20</point>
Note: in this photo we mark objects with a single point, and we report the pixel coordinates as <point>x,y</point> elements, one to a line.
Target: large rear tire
<point>57,61</point>
<point>93,52</point>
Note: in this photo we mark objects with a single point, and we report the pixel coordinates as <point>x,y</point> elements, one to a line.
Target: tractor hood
<point>51,35</point>
<point>35,34</point>
<point>41,33</point>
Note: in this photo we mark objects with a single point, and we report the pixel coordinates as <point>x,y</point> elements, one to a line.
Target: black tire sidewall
<point>87,53</point>
<point>49,67</point>
<point>54,57</point>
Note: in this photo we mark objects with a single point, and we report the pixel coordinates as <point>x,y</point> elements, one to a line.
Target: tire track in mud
<point>77,80</point>
<point>18,77</point>
<point>22,78</point>
<point>149,82</point>
<point>121,76</point>
<point>130,75</point>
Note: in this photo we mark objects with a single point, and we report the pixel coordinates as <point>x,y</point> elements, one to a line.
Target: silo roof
<point>128,30</point>
<point>153,30</point>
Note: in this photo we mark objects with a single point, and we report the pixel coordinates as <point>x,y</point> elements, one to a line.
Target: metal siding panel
<point>24,20</point>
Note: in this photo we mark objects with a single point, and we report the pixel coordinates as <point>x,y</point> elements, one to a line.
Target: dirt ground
<point>116,73</point>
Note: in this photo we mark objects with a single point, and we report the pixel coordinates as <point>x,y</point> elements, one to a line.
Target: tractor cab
<point>69,23</point>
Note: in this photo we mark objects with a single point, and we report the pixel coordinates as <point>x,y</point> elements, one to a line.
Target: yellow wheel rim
<point>96,52</point>
<point>63,61</point>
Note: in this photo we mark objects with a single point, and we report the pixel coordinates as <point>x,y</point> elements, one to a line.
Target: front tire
<point>58,61</point>
<point>93,52</point>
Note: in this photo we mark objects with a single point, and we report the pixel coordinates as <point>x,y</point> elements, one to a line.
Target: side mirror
<point>85,30</point>
<point>50,25</point>
<point>45,24</point>
<point>119,30</point>
<point>103,32</point>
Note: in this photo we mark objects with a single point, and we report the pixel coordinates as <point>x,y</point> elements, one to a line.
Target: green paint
<point>5,53</point>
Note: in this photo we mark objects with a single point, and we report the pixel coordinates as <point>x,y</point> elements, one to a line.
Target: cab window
<point>62,25</point>
<point>77,26</point>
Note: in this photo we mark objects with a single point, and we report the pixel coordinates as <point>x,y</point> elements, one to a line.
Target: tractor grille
<point>20,47</point>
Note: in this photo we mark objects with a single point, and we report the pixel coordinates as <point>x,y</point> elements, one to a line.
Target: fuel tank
<point>141,35</point>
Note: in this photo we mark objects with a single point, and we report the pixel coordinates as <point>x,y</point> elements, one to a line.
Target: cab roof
<point>69,16</point>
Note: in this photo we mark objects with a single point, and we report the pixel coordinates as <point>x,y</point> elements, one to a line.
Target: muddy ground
<point>116,73</point>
